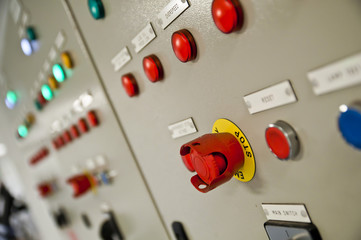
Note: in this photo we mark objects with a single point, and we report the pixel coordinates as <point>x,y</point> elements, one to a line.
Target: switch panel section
<point>73,134</point>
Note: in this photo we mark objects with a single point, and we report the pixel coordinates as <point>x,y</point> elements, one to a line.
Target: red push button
<point>60,141</point>
<point>45,189</point>
<point>227,15</point>
<point>282,140</point>
<point>74,131</point>
<point>184,45</point>
<point>215,158</point>
<point>93,118</point>
<point>83,126</point>
<point>130,84</point>
<point>153,68</point>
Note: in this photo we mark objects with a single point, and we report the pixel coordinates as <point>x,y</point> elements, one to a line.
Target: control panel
<point>182,119</point>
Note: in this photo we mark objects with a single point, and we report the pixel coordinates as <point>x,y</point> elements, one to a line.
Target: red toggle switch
<point>215,157</point>
<point>227,15</point>
<point>153,68</point>
<point>81,184</point>
<point>83,126</point>
<point>45,189</point>
<point>93,118</point>
<point>184,46</point>
<point>130,85</point>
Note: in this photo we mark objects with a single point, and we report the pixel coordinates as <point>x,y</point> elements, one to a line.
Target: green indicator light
<point>58,73</point>
<point>23,131</point>
<point>31,33</point>
<point>46,92</point>
<point>96,9</point>
<point>11,97</point>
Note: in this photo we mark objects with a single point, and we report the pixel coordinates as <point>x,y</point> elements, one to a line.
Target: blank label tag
<point>122,58</point>
<point>143,38</point>
<point>182,128</point>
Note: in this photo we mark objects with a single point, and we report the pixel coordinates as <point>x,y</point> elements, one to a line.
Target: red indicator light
<point>83,126</point>
<point>74,131</point>
<point>130,84</point>
<point>93,118</point>
<point>184,45</point>
<point>227,15</point>
<point>67,137</point>
<point>153,68</point>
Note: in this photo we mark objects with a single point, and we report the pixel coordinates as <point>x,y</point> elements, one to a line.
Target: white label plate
<point>60,40</point>
<point>15,10</point>
<point>122,58</point>
<point>182,128</point>
<point>52,54</point>
<point>286,212</point>
<point>171,12</point>
<point>335,76</point>
<point>271,97</point>
<point>143,38</point>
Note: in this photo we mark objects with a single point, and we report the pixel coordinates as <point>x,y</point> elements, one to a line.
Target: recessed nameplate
<point>338,75</point>
<point>122,58</point>
<point>182,128</point>
<point>171,12</point>
<point>271,97</point>
<point>286,212</point>
<point>143,38</point>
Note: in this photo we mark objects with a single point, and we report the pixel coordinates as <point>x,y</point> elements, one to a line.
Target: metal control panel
<point>98,148</point>
<point>282,77</point>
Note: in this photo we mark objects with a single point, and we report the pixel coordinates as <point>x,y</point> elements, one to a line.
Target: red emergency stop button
<point>282,140</point>
<point>130,84</point>
<point>215,157</point>
<point>153,68</point>
<point>81,184</point>
<point>227,15</point>
<point>83,126</point>
<point>184,45</point>
<point>93,118</point>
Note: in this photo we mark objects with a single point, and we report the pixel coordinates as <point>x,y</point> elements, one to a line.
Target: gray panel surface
<point>281,40</point>
<point>128,195</point>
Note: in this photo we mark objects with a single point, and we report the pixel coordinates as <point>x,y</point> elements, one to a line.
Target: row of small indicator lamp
<point>66,137</point>
<point>73,133</point>
<point>227,15</point>
<point>58,76</point>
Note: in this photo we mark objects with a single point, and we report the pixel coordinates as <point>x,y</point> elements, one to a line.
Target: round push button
<point>83,126</point>
<point>349,123</point>
<point>93,118</point>
<point>282,140</point>
<point>96,9</point>
<point>184,45</point>
<point>227,15</point>
<point>130,85</point>
<point>153,68</point>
